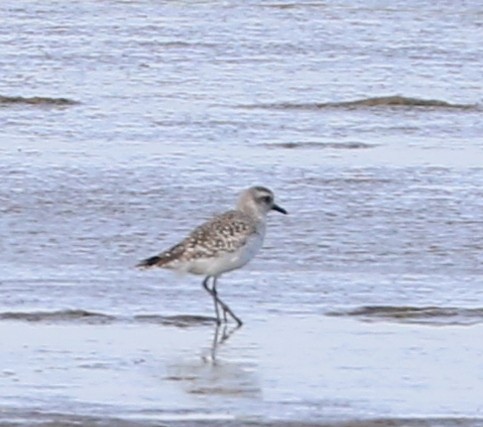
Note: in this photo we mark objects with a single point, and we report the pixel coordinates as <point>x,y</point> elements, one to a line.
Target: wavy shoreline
<point>428,315</point>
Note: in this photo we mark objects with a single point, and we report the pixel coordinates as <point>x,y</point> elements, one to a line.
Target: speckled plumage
<point>224,233</point>
<point>224,243</point>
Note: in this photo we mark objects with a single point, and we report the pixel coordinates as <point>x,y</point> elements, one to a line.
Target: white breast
<point>230,260</point>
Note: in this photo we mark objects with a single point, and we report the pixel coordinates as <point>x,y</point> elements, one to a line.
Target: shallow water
<point>124,124</point>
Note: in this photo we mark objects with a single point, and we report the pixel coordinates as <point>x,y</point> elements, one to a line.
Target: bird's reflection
<point>214,375</point>
<point>221,335</point>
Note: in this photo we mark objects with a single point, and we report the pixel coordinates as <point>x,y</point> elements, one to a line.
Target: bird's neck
<point>261,227</point>
<point>255,214</point>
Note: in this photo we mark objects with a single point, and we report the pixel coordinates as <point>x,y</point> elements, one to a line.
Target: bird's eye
<point>267,199</point>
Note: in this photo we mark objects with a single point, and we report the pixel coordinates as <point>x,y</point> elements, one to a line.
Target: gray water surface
<point>125,124</point>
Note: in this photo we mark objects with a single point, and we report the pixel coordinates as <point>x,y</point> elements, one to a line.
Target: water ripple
<point>320,145</point>
<point>36,100</point>
<point>379,102</point>
<point>443,316</point>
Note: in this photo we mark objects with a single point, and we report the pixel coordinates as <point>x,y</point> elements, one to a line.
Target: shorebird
<point>225,243</point>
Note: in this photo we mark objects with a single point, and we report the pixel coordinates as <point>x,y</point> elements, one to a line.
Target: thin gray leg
<point>213,295</point>
<point>224,306</point>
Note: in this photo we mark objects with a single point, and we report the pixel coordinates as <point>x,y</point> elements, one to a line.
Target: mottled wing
<point>224,233</point>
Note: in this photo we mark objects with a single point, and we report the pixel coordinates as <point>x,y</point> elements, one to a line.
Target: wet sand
<point>304,370</point>
<point>59,420</point>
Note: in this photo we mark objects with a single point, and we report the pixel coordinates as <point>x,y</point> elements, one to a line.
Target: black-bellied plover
<point>224,243</point>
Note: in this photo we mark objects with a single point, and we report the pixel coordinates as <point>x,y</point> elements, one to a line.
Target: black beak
<point>279,209</point>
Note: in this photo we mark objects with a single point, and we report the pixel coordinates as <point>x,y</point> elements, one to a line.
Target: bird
<point>224,243</point>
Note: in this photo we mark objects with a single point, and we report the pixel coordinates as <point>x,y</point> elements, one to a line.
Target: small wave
<point>89,317</point>
<point>294,5</point>
<point>376,102</point>
<point>58,316</point>
<point>36,100</point>
<point>179,320</point>
<point>423,315</point>
<point>320,145</point>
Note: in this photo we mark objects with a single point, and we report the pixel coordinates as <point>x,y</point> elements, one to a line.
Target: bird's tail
<point>150,262</point>
<point>163,259</point>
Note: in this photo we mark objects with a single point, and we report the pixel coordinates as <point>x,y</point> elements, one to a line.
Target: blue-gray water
<point>365,302</point>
